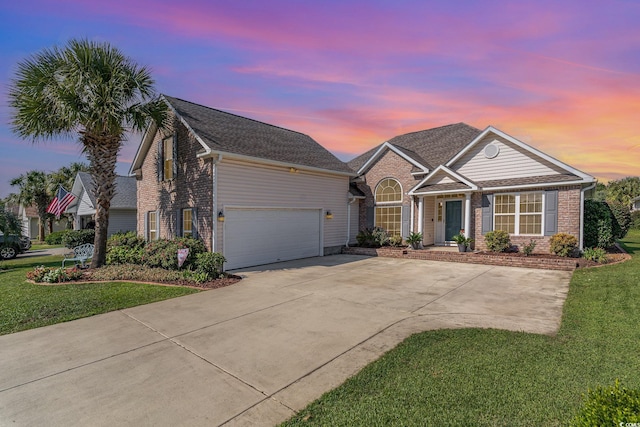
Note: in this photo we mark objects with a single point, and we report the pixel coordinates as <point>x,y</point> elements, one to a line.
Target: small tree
<point>34,190</point>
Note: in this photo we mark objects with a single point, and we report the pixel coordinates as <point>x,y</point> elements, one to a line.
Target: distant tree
<point>33,189</point>
<point>9,222</point>
<point>92,90</point>
<point>623,190</point>
<point>600,192</point>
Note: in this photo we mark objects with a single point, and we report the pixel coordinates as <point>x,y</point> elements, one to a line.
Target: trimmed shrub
<point>497,240</point>
<point>598,224</point>
<point>529,248</point>
<point>125,248</point>
<point>373,237</point>
<point>210,263</point>
<point>75,238</point>
<point>622,219</point>
<point>635,220</point>
<point>163,253</point>
<point>563,244</point>
<point>55,238</point>
<point>395,241</point>
<point>609,406</point>
<point>595,254</point>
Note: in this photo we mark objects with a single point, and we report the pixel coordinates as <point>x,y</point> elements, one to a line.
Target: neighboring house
<point>457,178</point>
<point>635,204</point>
<point>30,220</point>
<point>122,214</point>
<point>255,192</point>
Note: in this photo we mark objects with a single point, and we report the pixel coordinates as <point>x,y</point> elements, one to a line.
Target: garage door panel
<point>262,236</point>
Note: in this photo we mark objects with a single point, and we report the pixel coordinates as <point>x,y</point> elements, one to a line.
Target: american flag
<point>60,202</point>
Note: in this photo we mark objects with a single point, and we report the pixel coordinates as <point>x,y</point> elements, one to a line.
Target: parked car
<point>12,245</point>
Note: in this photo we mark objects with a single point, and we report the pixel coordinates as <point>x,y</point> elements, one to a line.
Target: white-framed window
<point>388,211</point>
<point>519,213</point>
<point>187,222</point>
<point>152,225</point>
<point>167,158</point>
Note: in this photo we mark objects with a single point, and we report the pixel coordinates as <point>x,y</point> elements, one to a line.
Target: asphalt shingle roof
<point>229,133</point>
<point>434,146</point>
<point>126,191</point>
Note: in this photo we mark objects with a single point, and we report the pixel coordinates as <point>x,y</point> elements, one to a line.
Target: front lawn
<point>492,377</point>
<point>25,306</point>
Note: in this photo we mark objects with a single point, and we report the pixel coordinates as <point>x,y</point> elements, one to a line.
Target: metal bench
<point>80,253</point>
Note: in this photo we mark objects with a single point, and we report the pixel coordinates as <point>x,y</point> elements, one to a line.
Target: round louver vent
<point>491,151</point>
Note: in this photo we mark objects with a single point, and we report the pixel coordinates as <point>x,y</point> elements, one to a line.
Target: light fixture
<point>328,215</point>
<point>293,170</point>
<point>221,216</point>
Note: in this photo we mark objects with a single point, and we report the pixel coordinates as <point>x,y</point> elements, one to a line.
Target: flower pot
<point>462,247</point>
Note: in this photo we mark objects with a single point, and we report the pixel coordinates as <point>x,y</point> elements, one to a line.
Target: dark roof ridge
<point>431,129</point>
<point>235,115</point>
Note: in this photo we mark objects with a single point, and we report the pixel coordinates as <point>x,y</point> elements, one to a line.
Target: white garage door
<point>262,236</point>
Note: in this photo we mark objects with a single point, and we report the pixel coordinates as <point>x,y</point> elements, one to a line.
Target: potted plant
<point>462,241</point>
<point>415,240</point>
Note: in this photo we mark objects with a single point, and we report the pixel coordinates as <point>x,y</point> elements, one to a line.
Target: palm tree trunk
<point>102,152</point>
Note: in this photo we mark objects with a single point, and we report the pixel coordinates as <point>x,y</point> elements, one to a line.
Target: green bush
<point>595,254</point>
<point>54,275</point>
<point>622,219</point>
<point>210,264</point>
<point>73,238</point>
<point>163,253</point>
<point>125,248</point>
<point>55,238</point>
<point>135,272</point>
<point>609,406</point>
<point>497,240</point>
<point>598,224</point>
<point>563,244</point>
<point>528,248</point>
<point>395,241</point>
<point>635,220</point>
<point>373,237</point>
<point>129,239</point>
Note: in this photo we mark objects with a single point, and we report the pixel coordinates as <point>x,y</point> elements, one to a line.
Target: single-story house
<point>459,179</point>
<point>122,214</point>
<point>30,221</point>
<point>255,192</point>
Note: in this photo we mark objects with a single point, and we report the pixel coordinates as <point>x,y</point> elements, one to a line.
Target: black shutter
<point>178,223</point>
<point>371,211</point>
<point>146,226</point>
<point>550,212</point>
<point>487,213</point>
<point>194,222</point>
<point>406,220</point>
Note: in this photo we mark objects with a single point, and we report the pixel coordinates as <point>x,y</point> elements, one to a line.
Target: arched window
<point>388,191</point>
<point>389,206</point>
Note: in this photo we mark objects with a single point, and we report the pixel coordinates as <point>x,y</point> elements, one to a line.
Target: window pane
<point>506,223</point>
<point>531,224</point>
<point>531,203</point>
<point>505,203</point>
<point>167,150</point>
<point>388,191</point>
<point>187,222</point>
<point>389,218</point>
<point>153,226</point>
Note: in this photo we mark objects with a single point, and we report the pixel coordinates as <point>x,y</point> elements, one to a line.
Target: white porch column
<point>467,215</point>
<point>420,213</point>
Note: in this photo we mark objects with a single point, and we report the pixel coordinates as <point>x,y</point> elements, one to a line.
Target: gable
<point>443,180</point>
<point>502,160</point>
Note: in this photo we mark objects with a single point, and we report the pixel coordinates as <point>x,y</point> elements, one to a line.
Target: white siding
<point>122,220</point>
<point>511,162</point>
<point>428,228</point>
<point>254,185</point>
<point>440,178</point>
<point>85,207</point>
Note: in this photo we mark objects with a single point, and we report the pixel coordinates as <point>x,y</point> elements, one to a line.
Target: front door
<point>452,219</point>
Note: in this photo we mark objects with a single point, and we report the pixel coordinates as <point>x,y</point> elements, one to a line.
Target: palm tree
<point>93,90</point>
<point>34,190</point>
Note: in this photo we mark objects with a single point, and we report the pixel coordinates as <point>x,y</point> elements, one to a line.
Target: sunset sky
<point>562,76</point>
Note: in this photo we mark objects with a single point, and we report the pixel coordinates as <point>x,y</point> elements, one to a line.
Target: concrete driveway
<point>256,352</point>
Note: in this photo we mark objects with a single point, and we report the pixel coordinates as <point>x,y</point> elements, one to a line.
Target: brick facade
<point>392,165</point>
<point>190,188</point>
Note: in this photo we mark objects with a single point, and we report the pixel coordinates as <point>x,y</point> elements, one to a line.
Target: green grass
<point>25,306</point>
<point>35,247</point>
<point>492,377</point>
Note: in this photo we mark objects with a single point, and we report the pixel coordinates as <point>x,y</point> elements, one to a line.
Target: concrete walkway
<point>256,352</point>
